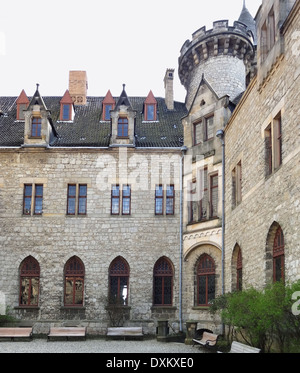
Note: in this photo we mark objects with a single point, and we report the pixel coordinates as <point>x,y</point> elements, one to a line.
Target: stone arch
<point>236,265</point>
<point>269,258</point>
<point>191,260</point>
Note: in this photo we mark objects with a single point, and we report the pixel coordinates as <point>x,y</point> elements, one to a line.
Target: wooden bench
<point>125,332</point>
<point>237,347</point>
<point>67,332</point>
<point>207,340</point>
<point>16,333</point>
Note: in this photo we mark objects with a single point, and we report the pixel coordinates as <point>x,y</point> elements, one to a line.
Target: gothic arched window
<point>205,280</point>
<point>278,256</point>
<point>29,282</point>
<point>162,283</point>
<point>118,281</point>
<point>239,271</point>
<point>74,282</point>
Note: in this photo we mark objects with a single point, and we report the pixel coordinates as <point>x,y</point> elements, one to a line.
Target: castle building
<point>135,202</point>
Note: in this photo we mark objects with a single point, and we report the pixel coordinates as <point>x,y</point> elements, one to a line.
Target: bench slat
<point>15,332</point>
<point>67,332</point>
<point>125,332</point>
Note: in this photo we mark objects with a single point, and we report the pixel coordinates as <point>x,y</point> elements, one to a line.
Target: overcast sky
<point>115,42</point>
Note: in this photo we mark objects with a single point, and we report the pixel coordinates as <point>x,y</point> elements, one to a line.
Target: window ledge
<point>72,308</point>
<point>27,307</point>
<point>201,308</point>
<point>164,307</point>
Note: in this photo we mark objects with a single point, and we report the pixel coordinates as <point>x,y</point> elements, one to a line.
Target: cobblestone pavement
<point>97,346</point>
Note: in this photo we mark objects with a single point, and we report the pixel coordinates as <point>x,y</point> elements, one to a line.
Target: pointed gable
<point>22,104</point>
<point>150,108</point>
<point>108,104</point>
<point>123,99</point>
<point>37,99</point>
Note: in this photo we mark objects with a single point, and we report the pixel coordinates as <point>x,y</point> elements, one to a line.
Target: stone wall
<point>97,238</point>
<point>265,199</point>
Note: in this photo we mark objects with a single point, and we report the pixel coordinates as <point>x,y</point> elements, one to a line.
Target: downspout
<point>183,149</point>
<point>220,135</point>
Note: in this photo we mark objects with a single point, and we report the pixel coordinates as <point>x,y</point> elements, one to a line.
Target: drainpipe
<point>220,134</point>
<point>183,149</point>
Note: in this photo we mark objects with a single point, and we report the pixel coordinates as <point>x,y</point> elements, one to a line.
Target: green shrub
<point>262,318</point>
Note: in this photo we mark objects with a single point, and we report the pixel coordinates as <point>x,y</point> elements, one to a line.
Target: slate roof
<point>88,130</point>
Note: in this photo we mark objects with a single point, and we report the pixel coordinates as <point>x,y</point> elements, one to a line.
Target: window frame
<point>126,198</point>
<point>123,128</point>
<point>115,197</point>
<point>33,197</point>
<point>75,198</point>
<point>166,272</point>
<point>36,127</point>
<point>29,273</point>
<point>207,274</point>
<point>74,274</point>
<point>159,197</point>
<point>123,271</point>
<point>278,255</point>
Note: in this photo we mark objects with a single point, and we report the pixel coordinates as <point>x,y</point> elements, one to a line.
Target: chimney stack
<point>169,94</point>
<point>78,86</point>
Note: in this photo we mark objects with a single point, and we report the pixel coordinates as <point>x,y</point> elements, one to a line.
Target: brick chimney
<point>78,86</point>
<point>169,94</point>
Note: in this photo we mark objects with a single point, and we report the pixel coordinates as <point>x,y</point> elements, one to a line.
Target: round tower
<point>221,55</point>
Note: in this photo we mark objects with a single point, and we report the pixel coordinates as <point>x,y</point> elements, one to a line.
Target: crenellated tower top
<point>222,54</point>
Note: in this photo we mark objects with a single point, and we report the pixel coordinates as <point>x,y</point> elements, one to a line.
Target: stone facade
<point>270,198</point>
<point>248,90</point>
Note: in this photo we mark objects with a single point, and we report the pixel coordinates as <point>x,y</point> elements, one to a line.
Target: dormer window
<point>66,107</point>
<point>106,111</point>
<point>150,108</point>
<point>36,127</point>
<point>22,104</point>
<point>123,127</point>
<point>108,105</point>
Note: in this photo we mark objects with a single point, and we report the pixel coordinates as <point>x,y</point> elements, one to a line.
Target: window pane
<point>78,291</point>
<point>28,190</point>
<point>126,190</point>
<point>158,206</point>
<point>170,206</point>
<point>170,191</point>
<point>72,190</point>
<point>82,206</point>
<point>69,291</point>
<point>38,210</point>
<point>25,291</point>
<point>209,128</point>
<point>150,112</point>
<point>202,290</point>
<point>198,133</point>
<point>115,206</point>
<point>158,191</point>
<point>126,206</point>
<point>115,190</point>
<point>34,291</point>
<point>211,288</point>
<point>107,109</point>
<point>66,112</point>
<point>157,290</point>
<point>71,206</point>
<point>167,290</point>
<point>123,290</point>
